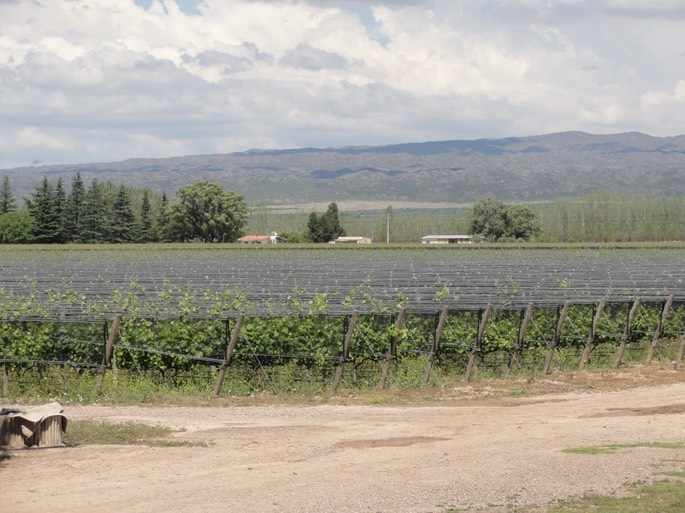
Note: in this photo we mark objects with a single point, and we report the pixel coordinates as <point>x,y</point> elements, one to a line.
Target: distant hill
<point>533,168</point>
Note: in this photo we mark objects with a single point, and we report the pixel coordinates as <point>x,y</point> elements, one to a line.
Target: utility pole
<point>388,211</point>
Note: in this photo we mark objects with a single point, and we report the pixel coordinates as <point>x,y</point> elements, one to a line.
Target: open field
<point>492,446</point>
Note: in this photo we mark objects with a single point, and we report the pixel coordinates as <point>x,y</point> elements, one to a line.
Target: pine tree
<point>325,227</point>
<point>94,223</point>
<point>73,224</point>
<point>163,220</point>
<point>145,228</point>
<point>43,210</point>
<point>122,229</point>
<point>314,228</point>
<point>7,203</point>
<point>61,210</point>
<point>331,223</point>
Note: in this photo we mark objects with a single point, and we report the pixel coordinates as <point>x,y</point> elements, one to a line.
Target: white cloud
<point>109,79</point>
<point>31,136</point>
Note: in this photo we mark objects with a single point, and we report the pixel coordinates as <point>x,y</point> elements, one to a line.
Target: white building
<point>446,239</point>
<point>352,240</point>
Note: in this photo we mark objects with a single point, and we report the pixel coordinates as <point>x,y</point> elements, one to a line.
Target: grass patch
<point>87,432</point>
<point>675,473</point>
<point>607,449</point>
<point>661,497</point>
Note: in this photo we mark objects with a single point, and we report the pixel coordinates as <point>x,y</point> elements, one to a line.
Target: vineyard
<point>356,317</point>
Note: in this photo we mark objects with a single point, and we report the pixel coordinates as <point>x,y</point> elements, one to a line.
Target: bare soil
<point>491,447</point>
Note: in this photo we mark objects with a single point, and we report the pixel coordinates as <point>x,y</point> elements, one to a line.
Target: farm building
<point>352,240</point>
<point>446,239</point>
<point>274,238</point>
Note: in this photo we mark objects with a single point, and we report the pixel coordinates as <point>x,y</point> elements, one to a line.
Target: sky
<point>106,80</point>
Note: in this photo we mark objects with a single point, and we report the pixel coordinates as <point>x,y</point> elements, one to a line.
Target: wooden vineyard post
<point>5,381</point>
<point>557,337</point>
<point>626,333</point>
<point>518,345</point>
<point>479,342</point>
<point>347,342</point>
<point>681,352</point>
<point>5,373</point>
<point>659,332</point>
<point>435,348</point>
<point>230,348</point>
<point>109,346</point>
<point>392,350</point>
<point>590,342</point>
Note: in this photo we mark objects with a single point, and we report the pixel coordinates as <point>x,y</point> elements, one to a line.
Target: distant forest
<point>105,212</point>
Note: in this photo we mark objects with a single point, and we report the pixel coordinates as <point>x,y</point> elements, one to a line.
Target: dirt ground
<point>489,446</point>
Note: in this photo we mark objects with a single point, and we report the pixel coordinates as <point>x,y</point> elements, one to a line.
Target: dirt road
<point>474,449</point>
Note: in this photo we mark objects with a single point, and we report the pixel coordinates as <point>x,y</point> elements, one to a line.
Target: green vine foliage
<point>372,338</point>
<point>79,343</point>
<point>675,322</point>
<point>501,331</point>
<point>169,336</point>
<point>168,343</point>
<point>458,337</point>
<point>307,340</point>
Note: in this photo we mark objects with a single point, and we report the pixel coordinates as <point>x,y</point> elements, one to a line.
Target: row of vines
<point>314,345</point>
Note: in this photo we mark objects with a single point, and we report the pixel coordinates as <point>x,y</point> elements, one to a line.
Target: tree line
<point>104,212</point>
<point>115,214</point>
<point>109,213</point>
<point>611,217</point>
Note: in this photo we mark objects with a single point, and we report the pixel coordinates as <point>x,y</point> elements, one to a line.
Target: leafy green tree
<point>16,227</point>
<point>487,219</point>
<point>325,227</point>
<point>46,219</point>
<point>522,222</point>
<point>293,237</point>
<point>204,211</point>
<point>7,203</point>
<point>493,220</point>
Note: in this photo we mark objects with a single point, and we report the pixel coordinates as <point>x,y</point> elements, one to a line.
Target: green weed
<point>662,497</point>
<point>86,432</point>
<point>607,449</point>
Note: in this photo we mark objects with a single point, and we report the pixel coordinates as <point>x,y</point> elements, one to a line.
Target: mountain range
<point>535,168</point>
